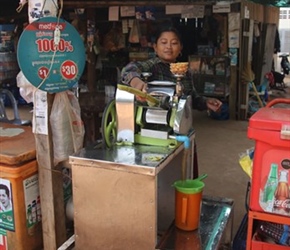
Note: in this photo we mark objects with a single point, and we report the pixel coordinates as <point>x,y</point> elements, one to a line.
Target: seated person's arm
<point>131,74</point>
<point>137,83</point>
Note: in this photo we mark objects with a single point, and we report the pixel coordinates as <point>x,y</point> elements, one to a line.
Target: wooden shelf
<point>211,75</point>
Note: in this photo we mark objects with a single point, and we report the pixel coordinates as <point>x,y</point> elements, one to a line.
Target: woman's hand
<point>213,104</point>
<point>137,83</point>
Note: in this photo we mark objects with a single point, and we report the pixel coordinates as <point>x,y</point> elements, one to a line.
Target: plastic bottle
<point>282,195</point>
<point>33,211</point>
<point>38,209</point>
<point>29,214</point>
<point>270,187</point>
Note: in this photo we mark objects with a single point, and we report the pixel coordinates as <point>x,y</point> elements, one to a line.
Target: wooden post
<point>50,180</point>
<point>233,93</point>
<point>267,50</point>
<point>50,189</point>
<point>246,48</point>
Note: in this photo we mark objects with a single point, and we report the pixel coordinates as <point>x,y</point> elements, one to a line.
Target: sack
<point>134,36</point>
<point>26,89</point>
<point>66,125</point>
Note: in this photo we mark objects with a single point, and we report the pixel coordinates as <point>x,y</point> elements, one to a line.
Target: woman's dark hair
<point>5,188</point>
<point>167,29</point>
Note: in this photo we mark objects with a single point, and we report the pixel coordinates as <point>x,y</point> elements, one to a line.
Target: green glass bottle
<point>270,187</point>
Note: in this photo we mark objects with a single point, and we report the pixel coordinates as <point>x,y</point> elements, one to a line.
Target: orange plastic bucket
<point>188,197</point>
<point>23,180</point>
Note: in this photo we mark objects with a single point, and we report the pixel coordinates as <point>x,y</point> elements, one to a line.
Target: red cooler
<point>270,128</point>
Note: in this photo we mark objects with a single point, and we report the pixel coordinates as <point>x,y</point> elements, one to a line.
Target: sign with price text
<point>47,66</point>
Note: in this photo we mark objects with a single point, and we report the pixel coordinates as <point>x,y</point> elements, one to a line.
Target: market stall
<point>116,172</point>
<point>126,181</point>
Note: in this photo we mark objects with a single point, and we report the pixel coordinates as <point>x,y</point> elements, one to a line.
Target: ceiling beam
<point>96,4</point>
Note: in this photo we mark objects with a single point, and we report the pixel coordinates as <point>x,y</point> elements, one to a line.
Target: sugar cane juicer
<point>167,113</point>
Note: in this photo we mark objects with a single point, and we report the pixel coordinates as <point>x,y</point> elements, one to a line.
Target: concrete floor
<point>219,144</point>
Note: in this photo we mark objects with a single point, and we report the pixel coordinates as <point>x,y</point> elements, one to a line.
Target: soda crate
<point>257,240</point>
<point>273,233</point>
<point>259,245</point>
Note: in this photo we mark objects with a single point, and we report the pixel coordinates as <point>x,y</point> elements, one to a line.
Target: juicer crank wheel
<point>109,124</point>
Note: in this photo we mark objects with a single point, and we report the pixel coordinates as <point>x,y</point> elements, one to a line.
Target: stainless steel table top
<point>141,155</point>
<point>149,158</point>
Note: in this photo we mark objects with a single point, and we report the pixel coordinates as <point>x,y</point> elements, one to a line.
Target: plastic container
<point>21,216</point>
<point>270,128</point>
<point>188,197</point>
<point>23,229</point>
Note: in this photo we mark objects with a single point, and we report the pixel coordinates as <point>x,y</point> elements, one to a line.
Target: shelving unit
<point>211,75</point>
<point>253,244</point>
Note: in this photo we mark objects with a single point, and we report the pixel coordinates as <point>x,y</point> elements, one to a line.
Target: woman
<point>5,202</point>
<point>167,48</point>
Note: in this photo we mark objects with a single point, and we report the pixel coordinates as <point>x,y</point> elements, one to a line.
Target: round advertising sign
<point>52,63</point>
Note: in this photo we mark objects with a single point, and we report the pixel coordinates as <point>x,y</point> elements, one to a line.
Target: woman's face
<point>168,47</point>
<point>4,198</point>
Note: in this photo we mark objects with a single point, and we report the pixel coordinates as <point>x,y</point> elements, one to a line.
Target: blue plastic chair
<point>3,115</point>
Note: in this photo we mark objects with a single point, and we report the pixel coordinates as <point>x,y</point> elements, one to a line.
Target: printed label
<point>32,200</point>
<point>275,186</point>
<point>6,205</point>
